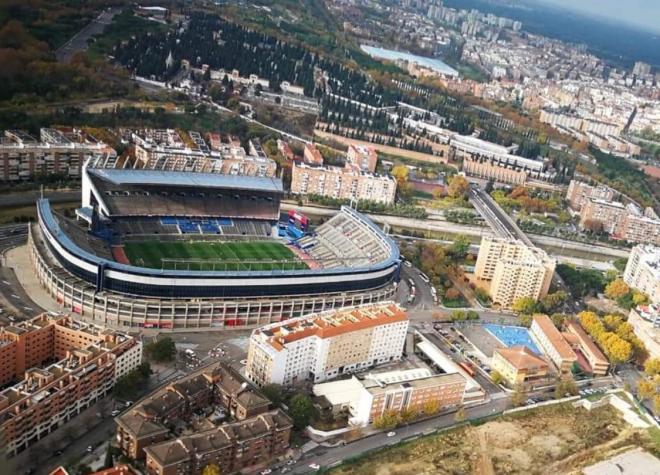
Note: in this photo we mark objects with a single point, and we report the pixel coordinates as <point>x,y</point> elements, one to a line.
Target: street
<point>78,42</point>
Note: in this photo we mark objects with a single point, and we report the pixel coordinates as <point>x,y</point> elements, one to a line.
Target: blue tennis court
<point>512,336</point>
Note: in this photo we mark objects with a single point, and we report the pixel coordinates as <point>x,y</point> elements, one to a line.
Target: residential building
<point>518,364</point>
<point>62,366</point>
<point>601,215</point>
<point>641,68</point>
<point>372,395</point>
<point>218,392</point>
<point>362,158</point>
<point>342,183</point>
<point>643,271</point>
<point>579,193</point>
<point>235,447</point>
<point>325,345</point>
<point>514,270</point>
<point>638,227</point>
<point>311,155</point>
<point>285,150</point>
<point>586,347</point>
<point>23,157</point>
<point>121,469</point>
<point>645,320</point>
<point>553,343</point>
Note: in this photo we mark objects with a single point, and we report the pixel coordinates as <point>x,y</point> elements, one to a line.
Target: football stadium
<point>189,246</point>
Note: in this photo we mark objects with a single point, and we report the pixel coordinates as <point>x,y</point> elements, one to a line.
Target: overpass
<point>500,222</point>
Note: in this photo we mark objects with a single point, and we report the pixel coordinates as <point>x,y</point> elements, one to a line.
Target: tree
<point>431,407</point>
<point>525,305</point>
<point>452,293</point>
<point>612,322</point>
<point>161,350</point>
<point>558,319</point>
<point>565,385</point>
<point>400,172</point>
<point>646,389</point>
<point>388,420</point>
<point>458,187</point>
<point>274,392</point>
<point>211,469</point>
<point>302,410</point>
<point>616,289</point>
<point>652,366</point>
<point>459,248</point>
<point>460,414</point>
<point>552,302</point>
<point>518,396</point>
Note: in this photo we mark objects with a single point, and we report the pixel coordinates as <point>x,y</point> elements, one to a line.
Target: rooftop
<point>554,336</point>
<point>521,357</point>
<point>585,341</point>
<point>329,324</point>
<point>187,179</point>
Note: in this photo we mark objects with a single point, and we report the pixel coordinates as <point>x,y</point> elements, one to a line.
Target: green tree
<point>302,410</point>
<point>459,248</point>
<point>558,319</point>
<point>161,350</point>
<point>565,385</point>
<point>274,392</point>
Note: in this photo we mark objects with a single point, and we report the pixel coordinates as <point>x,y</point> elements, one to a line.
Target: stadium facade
<point>349,260</point>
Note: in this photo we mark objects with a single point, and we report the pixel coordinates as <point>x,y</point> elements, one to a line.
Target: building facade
<point>645,321</point>
<point>88,360</point>
<point>553,343</point>
<point>579,193</point>
<point>514,270</point>
<point>415,390</point>
<point>342,183</point>
<point>518,364</point>
<point>643,271</point>
<point>586,346</point>
<point>601,215</point>
<point>22,157</point>
<point>324,345</point>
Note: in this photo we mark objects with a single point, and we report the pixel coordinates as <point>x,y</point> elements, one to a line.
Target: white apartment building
<point>321,346</point>
<point>129,360</point>
<point>514,270</point>
<point>643,271</point>
<point>579,193</point>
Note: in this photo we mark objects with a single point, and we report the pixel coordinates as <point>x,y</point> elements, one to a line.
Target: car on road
<point>424,277</point>
<point>128,403</point>
<point>391,434</point>
<point>407,263</point>
<point>266,471</point>
<point>314,466</point>
<point>115,413</point>
<point>90,448</point>
<point>243,362</point>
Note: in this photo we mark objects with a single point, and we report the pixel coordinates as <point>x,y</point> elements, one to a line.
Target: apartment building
<point>325,345</point>
<point>369,397</point>
<point>22,157</point>
<point>553,343</point>
<point>362,158</point>
<point>311,155</point>
<point>638,227</point>
<point>581,343</point>
<point>237,447</point>
<point>488,170</point>
<point>643,271</point>
<point>645,320</point>
<point>62,366</point>
<point>342,183</point>
<point>165,149</point>
<point>597,214</point>
<point>205,400</point>
<point>514,270</point>
<point>518,364</point>
<point>579,193</point>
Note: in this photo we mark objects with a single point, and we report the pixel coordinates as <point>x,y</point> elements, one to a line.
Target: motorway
<point>79,41</point>
<point>500,222</point>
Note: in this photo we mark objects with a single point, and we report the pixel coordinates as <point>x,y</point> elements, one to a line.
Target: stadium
<point>183,246</point>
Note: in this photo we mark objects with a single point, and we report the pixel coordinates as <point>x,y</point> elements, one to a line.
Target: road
<point>78,42</point>
<point>327,457</point>
<point>15,303</point>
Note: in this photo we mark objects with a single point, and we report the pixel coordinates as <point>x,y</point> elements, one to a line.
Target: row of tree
<point>614,336</point>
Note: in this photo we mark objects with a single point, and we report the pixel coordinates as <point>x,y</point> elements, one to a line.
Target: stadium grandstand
<point>181,249</point>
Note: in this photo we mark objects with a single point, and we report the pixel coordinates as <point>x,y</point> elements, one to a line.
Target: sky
<point>643,13</point>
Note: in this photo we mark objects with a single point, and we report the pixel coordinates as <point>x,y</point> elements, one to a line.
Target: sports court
<point>512,336</point>
<point>213,255</point>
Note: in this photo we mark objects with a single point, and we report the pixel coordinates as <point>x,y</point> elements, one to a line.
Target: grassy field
<point>233,256</point>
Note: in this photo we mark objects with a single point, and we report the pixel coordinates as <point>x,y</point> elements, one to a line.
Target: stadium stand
<point>343,241</point>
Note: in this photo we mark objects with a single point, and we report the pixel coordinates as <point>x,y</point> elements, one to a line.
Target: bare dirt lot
<point>556,440</point>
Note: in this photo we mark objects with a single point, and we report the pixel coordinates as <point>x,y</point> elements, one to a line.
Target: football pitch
<point>209,255</point>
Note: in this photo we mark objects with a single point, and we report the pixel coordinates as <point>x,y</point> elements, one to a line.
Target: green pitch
<point>230,256</point>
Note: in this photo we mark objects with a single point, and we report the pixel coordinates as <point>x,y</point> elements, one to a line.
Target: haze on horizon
<point>640,13</point>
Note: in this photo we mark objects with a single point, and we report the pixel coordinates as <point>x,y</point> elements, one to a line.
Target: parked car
<point>391,434</point>
<point>314,466</point>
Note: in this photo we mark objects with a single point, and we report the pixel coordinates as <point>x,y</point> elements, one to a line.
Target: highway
<point>500,222</point>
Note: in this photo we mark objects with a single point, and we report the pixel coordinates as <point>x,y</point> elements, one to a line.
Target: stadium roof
<point>189,179</point>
